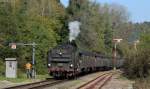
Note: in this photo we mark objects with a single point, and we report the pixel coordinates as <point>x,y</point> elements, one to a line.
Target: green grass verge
<point>123,77</point>
<point>23,78</point>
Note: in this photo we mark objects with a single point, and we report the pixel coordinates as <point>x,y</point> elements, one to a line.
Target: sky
<point>139,10</point>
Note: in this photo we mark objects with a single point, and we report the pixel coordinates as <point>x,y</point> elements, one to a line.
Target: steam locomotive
<point>66,61</point>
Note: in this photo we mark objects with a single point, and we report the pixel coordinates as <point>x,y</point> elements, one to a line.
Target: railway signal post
<point>135,44</point>
<point>13,46</point>
<point>116,41</point>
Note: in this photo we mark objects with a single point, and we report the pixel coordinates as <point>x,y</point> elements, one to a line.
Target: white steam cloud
<point>74,30</point>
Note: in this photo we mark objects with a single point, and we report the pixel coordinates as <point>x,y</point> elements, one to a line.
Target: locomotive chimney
<point>73,43</point>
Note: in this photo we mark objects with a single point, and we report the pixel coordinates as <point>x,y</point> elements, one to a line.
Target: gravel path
<point>5,83</point>
<point>118,82</point>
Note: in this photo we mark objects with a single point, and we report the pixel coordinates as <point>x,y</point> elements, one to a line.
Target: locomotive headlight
<point>71,65</point>
<point>49,65</point>
<point>60,53</point>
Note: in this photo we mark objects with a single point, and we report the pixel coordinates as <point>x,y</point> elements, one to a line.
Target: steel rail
<point>36,85</point>
<point>99,79</point>
<point>106,81</point>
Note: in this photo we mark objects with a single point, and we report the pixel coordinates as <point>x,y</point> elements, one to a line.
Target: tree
<point>100,24</point>
<point>91,36</point>
<point>137,61</point>
<point>51,9</point>
<point>21,23</point>
<point>7,32</point>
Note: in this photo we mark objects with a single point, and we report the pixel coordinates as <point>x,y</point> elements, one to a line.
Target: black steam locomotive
<point>67,61</point>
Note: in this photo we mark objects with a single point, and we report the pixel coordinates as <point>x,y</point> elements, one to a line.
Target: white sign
<point>117,40</point>
<point>13,46</point>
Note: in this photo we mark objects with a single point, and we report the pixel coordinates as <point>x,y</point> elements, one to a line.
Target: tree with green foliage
<point>21,23</point>
<point>91,36</point>
<point>137,61</point>
<point>99,23</point>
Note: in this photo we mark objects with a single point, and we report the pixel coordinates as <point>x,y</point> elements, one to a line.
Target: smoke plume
<point>74,30</point>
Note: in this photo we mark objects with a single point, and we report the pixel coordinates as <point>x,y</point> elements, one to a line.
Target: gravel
<point>5,83</point>
<point>119,82</point>
<point>73,84</point>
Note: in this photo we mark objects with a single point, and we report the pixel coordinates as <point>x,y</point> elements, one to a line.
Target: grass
<point>23,78</point>
<point>122,77</point>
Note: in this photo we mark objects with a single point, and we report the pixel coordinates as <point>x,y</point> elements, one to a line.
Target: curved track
<point>98,82</point>
<point>37,85</point>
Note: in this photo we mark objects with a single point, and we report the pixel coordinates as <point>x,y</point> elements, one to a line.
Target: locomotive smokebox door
<point>11,67</point>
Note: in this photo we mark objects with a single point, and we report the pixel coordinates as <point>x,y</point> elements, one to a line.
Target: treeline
<point>45,22</point>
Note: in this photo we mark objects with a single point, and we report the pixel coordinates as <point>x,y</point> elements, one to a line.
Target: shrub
<point>137,63</point>
<point>2,68</point>
<point>143,83</point>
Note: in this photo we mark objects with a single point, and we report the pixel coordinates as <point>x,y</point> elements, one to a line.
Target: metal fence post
<point>33,60</point>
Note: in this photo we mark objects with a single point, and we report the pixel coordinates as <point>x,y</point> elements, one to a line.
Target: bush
<point>143,83</point>
<point>2,68</point>
<point>137,63</point>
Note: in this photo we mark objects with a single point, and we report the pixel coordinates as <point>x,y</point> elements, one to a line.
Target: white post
<point>33,61</point>
<point>116,41</point>
<point>115,54</point>
<point>135,44</point>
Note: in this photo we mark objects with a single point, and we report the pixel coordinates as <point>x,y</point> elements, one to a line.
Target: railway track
<point>37,85</point>
<point>98,82</point>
